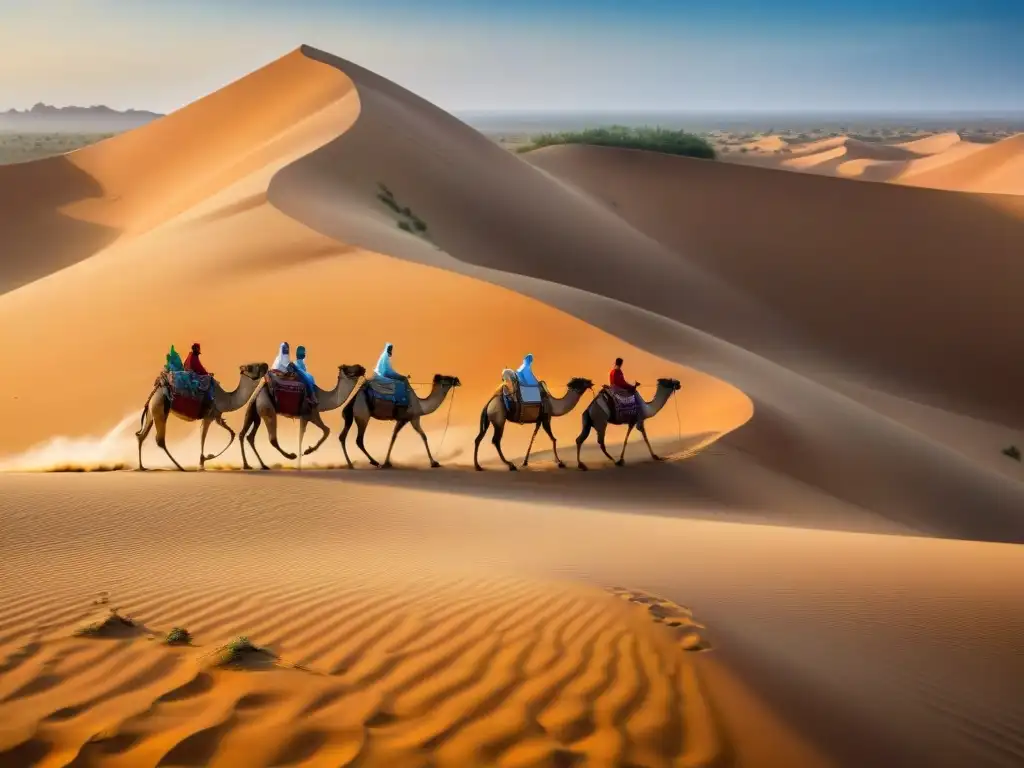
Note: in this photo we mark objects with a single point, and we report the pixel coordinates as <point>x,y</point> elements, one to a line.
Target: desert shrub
<point>178,636</point>
<point>665,140</point>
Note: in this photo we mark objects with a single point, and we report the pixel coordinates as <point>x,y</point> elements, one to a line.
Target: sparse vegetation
<point>408,221</point>
<point>240,650</point>
<point>21,147</point>
<point>178,636</point>
<point>665,140</point>
<point>1013,452</point>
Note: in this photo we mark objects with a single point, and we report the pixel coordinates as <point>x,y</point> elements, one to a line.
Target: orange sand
<point>457,618</point>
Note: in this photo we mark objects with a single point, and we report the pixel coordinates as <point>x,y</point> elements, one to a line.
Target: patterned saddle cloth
<point>185,384</point>
<point>288,392</point>
<point>623,406</point>
<point>391,390</point>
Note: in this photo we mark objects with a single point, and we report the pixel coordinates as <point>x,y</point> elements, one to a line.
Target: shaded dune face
<point>710,286</point>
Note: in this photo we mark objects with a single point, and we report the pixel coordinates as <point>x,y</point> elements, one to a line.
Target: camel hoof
<point>479,468</point>
<point>264,468</point>
<point>307,452</point>
<point>524,465</point>
<point>435,464</point>
<point>583,467</point>
<point>658,458</point>
<point>561,465</point>
<point>386,465</point>
<point>620,463</point>
<point>512,468</point>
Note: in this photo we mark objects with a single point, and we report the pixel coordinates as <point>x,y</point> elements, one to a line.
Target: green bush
<point>666,140</point>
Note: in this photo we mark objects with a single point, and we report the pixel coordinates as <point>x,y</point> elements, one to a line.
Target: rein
<point>447,420</point>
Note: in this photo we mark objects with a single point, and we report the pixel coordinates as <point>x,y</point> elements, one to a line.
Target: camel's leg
<point>202,443</point>
<point>251,421</point>
<point>271,419</point>
<point>536,429</point>
<point>160,422</point>
<point>302,434</point>
<point>499,430</point>
<point>360,433</point>
<point>588,424</point>
<point>399,426</point>
<point>622,457</point>
<point>601,428</point>
<point>554,444</point>
<point>643,431</point>
<point>418,428</point>
<point>257,420</point>
<point>143,433</point>
<point>485,423</point>
<point>219,419</point>
<point>347,417</point>
<point>316,420</point>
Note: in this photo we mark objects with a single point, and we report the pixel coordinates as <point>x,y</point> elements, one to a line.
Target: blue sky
<point>645,55</point>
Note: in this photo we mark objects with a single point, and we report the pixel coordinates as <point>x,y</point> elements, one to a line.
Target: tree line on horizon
<point>666,140</point>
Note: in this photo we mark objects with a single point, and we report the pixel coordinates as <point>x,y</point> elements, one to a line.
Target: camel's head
<point>579,384</point>
<point>352,371</point>
<point>447,381</point>
<point>672,384</point>
<point>254,371</point>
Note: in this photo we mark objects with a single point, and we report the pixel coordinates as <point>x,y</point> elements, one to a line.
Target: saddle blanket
<point>624,406</point>
<point>392,390</point>
<point>188,384</point>
<point>289,392</point>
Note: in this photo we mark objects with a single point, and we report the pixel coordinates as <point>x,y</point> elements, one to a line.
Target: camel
<point>597,416</point>
<point>158,406</point>
<point>263,408</point>
<point>360,409</point>
<point>495,414</point>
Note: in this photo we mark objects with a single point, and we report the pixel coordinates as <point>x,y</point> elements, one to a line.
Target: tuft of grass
<point>178,636</point>
<point>112,622</point>
<point>407,221</point>
<point>666,140</point>
<point>240,649</point>
<point>1013,452</point>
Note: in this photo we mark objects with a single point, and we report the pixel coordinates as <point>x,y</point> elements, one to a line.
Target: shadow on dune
<point>37,239</point>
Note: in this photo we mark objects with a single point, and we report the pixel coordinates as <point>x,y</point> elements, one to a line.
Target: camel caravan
<point>287,389</point>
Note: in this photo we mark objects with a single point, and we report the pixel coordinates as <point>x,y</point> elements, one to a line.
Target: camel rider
<point>305,375</point>
<point>525,373</point>
<point>174,360</point>
<point>193,364</point>
<point>384,369</point>
<point>283,360</point>
<point>618,381</point>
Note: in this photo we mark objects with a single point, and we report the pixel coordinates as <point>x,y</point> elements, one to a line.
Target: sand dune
<point>942,161</point>
<point>461,618</point>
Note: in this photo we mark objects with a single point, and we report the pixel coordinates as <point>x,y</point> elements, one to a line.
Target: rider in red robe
<point>618,381</point>
<point>192,362</point>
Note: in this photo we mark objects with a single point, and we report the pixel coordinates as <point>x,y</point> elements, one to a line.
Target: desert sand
<point>940,161</point>
<point>823,573</point>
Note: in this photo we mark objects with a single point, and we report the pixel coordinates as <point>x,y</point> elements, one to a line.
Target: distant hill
<point>44,118</point>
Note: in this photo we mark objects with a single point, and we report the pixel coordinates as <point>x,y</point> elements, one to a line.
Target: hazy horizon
<point>652,55</point>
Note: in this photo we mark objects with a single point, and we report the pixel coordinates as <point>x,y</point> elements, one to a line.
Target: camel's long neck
<point>433,401</point>
<point>335,397</point>
<point>232,401</point>
<point>658,401</point>
<point>562,405</point>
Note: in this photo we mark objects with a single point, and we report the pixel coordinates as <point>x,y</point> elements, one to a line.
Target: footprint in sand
<point>677,618</point>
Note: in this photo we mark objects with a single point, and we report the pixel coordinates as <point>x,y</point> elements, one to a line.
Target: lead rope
<point>447,420</point>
